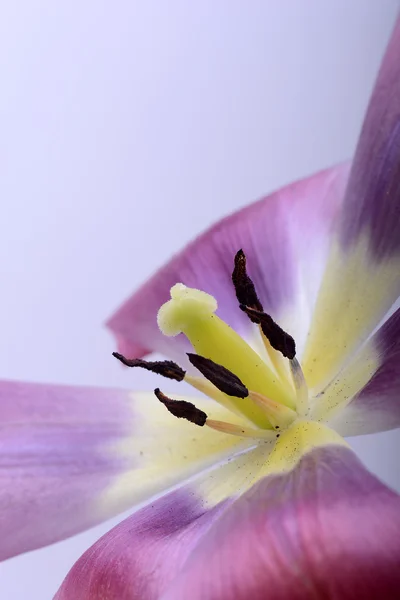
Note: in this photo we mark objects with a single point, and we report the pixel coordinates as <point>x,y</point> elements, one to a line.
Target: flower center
<point>232,373</point>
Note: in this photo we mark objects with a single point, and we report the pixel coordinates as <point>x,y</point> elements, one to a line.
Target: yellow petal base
<point>302,437</point>
<point>267,458</point>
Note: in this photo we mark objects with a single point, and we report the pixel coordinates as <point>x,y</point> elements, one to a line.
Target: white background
<point>126,128</point>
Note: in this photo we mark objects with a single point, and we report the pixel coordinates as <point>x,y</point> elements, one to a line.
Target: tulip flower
<point>284,318</point>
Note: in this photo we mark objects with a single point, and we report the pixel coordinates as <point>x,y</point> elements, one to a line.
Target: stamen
<point>277,359</point>
<point>300,385</point>
<point>247,296</point>
<point>240,431</point>
<point>206,387</point>
<point>166,368</point>
<point>222,378</point>
<point>182,409</point>
<point>277,337</point>
<point>280,416</point>
<point>188,411</point>
<point>244,287</point>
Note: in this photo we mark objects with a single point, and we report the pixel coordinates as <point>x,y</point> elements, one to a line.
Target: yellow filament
<point>300,384</point>
<point>233,429</point>
<point>279,415</point>
<point>209,389</point>
<point>276,358</point>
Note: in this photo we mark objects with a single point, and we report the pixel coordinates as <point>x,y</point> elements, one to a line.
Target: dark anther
<point>166,368</point>
<point>244,287</point>
<point>279,339</point>
<point>251,305</point>
<point>221,377</point>
<point>182,409</point>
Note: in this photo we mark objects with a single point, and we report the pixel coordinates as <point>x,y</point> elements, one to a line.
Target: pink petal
<point>362,281</point>
<point>54,460</point>
<point>326,529</point>
<point>373,194</point>
<point>139,557</point>
<point>285,237</point>
<point>376,407</point>
<point>72,457</point>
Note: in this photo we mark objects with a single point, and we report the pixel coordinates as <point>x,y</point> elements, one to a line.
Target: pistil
<point>193,312</point>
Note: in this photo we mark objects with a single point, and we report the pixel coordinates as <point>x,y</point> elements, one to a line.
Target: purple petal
<point>362,281</point>
<point>71,457</point>
<point>54,460</point>
<point>373,195</point>
<point>375,407</point>
<point>285,237</point>
<point>138,558</point>
<point>142,555</point>
<point>326,529</point>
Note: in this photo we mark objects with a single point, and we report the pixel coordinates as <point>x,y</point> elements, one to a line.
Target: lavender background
<point>126,128</point>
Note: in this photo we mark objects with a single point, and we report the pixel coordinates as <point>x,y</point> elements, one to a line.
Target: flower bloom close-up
<point>284,320</point>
